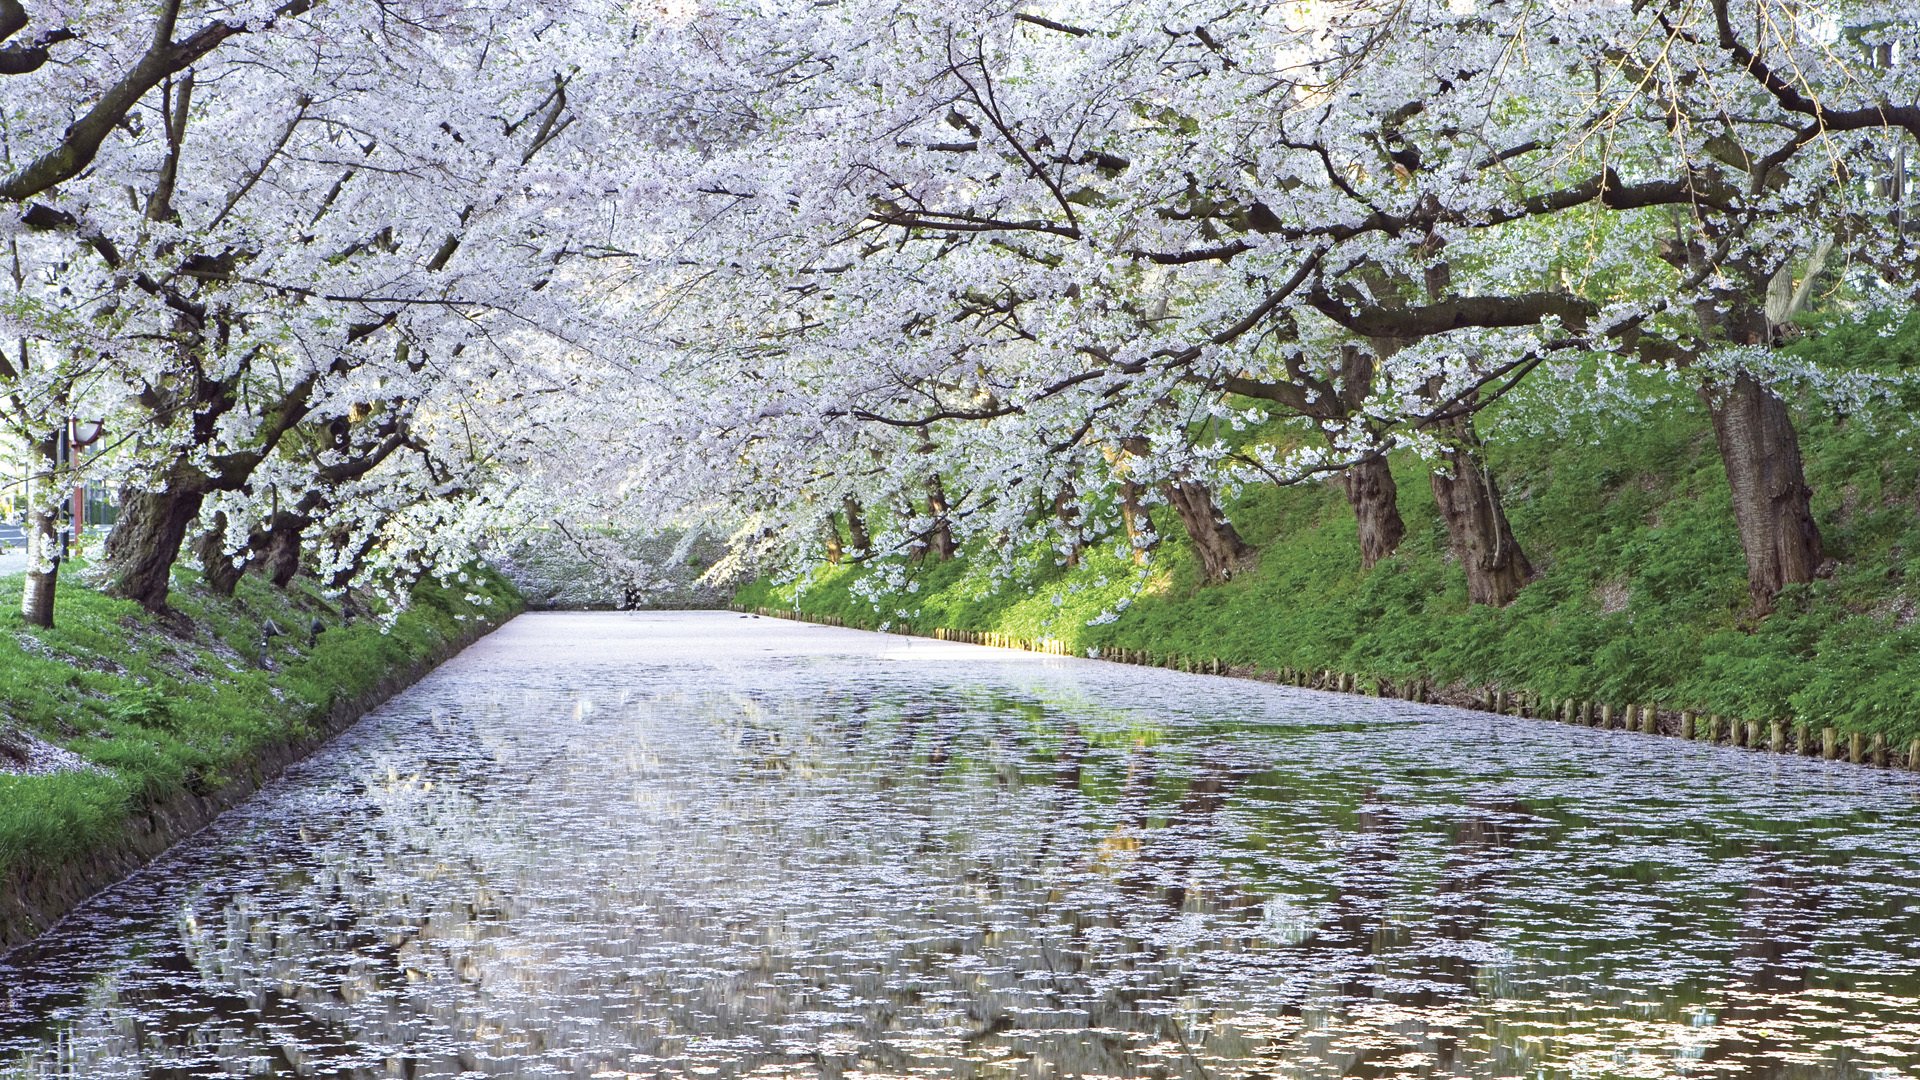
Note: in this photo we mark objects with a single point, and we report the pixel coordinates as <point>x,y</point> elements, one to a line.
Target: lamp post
<point>77,436</point>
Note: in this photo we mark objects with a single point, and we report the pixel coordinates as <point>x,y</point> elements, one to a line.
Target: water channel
<point>707,845</point>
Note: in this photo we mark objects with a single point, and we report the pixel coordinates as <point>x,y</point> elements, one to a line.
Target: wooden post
<point>1733,732</point>
<point>1650,719</point>
<point>1879,749</point>
<point>1829,743</point>
<point>1778,743</point>
<point>1686,724</point>
<point>1913,755</point>
<point>1606,716</point>
<point>1857,747</point>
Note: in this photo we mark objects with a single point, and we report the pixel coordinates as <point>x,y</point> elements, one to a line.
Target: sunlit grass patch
<point>160,706</point>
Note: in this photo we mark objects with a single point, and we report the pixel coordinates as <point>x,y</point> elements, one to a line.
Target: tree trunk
<point>216,564</point>
<point>1222,553</point>
<point>1771,500</point>
<point>940,543</point>
<point>43,549</point>
<point>1376,508</point>
<point>1477,530</point>
<point>356,561</point>
<point>145,543</point>
<point>857,539</point>
<point>1067,511</point>
<point>279,556</point>
<point>830,536</point>
<point>1138,525</point>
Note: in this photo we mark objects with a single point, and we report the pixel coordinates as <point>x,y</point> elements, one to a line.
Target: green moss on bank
<point>186,704</point>
<point>1642,595</point>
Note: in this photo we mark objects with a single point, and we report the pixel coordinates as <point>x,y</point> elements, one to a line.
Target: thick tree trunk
<point>940,543</point>
<point>1771,500</point>
<point>216,565</point>
<point>1376,508</point>
<point>145,543</point>
<point>279,557</point>
<point>857,539</point>
<point>1217,543</point>
<point>1477,529</point>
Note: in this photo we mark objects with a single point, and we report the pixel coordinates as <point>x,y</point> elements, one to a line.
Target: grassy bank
<point>1641,598</point>
<point>188,704</point>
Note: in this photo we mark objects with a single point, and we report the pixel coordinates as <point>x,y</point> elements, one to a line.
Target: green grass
<point>1642,596</point>
<point>187,704</point>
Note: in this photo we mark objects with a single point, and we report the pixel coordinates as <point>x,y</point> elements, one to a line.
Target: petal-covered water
<point>704,845</point>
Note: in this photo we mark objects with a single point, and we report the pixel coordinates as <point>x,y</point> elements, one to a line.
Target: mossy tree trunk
<point>1216,542</point>
<point>1477,529</point>
<point>1376,508</point>
<point>1771,500</point>
<point>145,542</point>
<point>217,565</point>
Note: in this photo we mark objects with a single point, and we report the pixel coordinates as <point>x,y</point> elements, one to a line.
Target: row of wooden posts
<point>1776,736</point>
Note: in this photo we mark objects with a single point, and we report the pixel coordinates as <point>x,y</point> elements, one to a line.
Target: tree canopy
<point>358,287</point>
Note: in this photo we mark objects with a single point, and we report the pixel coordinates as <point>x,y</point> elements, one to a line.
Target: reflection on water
<point>700,845</point>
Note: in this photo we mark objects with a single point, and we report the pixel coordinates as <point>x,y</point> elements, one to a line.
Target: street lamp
<point>86,432</point>
<point>80,434</point>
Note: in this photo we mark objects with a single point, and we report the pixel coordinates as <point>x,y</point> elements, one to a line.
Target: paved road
<point>13,550</point>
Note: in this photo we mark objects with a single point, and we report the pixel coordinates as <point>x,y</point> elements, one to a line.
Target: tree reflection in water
<point>654,848</point>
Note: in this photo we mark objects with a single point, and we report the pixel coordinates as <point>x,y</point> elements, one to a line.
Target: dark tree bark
<point>1477,530</point>
<point>1376,508</point>
<point>1218,544</point>
<point>830,535</point>
<point>216,565</point>
<point>857,538</point>
<point>1771,500</point>
<point>357,549</point>
<point>81,139</point>
<point>145,543</point>
<point>940,545</point>
<point>1067,510</point>
<point>1133,517</point>
<point>277,555</point>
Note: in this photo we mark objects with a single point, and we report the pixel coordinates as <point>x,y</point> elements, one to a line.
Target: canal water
<point>709,845</point>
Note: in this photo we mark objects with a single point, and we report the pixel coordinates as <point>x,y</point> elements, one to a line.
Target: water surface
<point>706,845</point>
